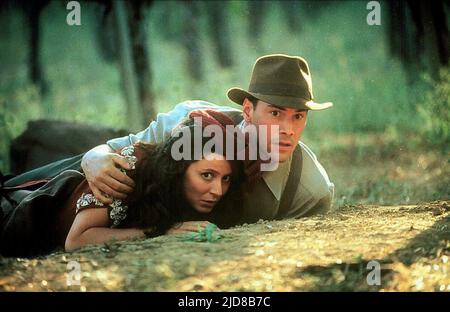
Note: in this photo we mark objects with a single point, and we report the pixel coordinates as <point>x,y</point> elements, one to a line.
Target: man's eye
<point>275,113</point>
<point>298,117</point>
<point>207,175</point>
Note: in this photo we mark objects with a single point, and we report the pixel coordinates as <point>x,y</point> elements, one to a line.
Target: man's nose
<point>286,127</point>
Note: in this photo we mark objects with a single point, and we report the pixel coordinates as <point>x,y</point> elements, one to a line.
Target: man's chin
<point>283,159</point>
<point>284,156</point>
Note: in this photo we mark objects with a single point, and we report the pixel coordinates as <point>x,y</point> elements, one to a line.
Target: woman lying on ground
<point>64,213</point>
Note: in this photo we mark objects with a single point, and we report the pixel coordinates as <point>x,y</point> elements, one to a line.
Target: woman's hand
<point>189,226</point>
<point>102,170</point>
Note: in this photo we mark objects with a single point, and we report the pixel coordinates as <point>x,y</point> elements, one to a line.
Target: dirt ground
<point>391,206</point>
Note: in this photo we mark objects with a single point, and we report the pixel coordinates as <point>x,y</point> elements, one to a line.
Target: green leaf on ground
<point>209,234</point>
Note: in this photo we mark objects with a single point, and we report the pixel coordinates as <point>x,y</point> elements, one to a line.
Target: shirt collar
<point>276,180</point>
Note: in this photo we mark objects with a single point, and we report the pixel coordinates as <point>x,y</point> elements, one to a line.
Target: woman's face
<point>206,182</point>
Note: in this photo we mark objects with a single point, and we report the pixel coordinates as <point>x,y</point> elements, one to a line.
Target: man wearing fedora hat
<point>280,93</point>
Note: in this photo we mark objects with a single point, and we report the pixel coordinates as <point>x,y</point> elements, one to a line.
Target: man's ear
<point>247,110</point>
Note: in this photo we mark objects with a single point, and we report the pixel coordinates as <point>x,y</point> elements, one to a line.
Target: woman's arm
<point>91,227</point>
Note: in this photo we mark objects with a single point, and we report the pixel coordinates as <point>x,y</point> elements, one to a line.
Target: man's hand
<point>189,226</point>
<point>102,169</point>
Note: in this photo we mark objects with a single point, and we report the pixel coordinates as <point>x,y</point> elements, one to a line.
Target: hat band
<point>282,89</point>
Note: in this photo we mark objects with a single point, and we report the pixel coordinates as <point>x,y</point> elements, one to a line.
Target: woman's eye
<point>275,113</point>
<point>227,178</point>
<point>207,175</point>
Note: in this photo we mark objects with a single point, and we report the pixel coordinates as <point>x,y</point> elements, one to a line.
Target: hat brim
<point>237,95</point>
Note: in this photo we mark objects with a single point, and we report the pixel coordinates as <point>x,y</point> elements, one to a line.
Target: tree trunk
<point>291,9</point>
<point>105,33</point>
<point>439,18</point>
<point>136,118</point>
<point>396,29</point>
<point>431,22</point>
<point>257,13</point>
<point>421,43</point>
<point>141,59</point>
<point>33,12</point>
<point>191,40</point>
<point>220,31</point>
<point>167,20</point>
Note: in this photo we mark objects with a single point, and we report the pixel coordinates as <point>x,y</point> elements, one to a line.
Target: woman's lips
<point>209,203</point>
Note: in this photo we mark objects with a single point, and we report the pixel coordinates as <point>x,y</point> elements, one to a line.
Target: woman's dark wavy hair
<point>159,200</point>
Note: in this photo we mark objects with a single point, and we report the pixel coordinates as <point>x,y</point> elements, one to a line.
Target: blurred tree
<point>105,34</point>
<point>257,12</point>
<point>36,74</point>
<point>220,31</point>
<point>291,9</point>
<point>134,110</point>
<point>139,37</point>
<point>33,12</point>
<point>418,35</point>
<point>123,38</point>
<point>191,39</point>
<point>167,20</point>
<point>398,45</point>
<point>435,32</point>
<point>315,8</point>
<point>180,20</point>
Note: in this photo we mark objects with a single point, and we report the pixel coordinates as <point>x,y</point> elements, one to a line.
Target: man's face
<point>291,123</point>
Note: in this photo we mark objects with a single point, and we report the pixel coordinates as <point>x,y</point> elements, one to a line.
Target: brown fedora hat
<point>280,80</point>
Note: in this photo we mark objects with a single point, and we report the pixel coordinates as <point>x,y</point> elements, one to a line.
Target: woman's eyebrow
<point>209,169</point>
<point>215,171</point>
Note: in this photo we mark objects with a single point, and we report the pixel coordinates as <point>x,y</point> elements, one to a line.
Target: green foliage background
<point>349,62</point>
